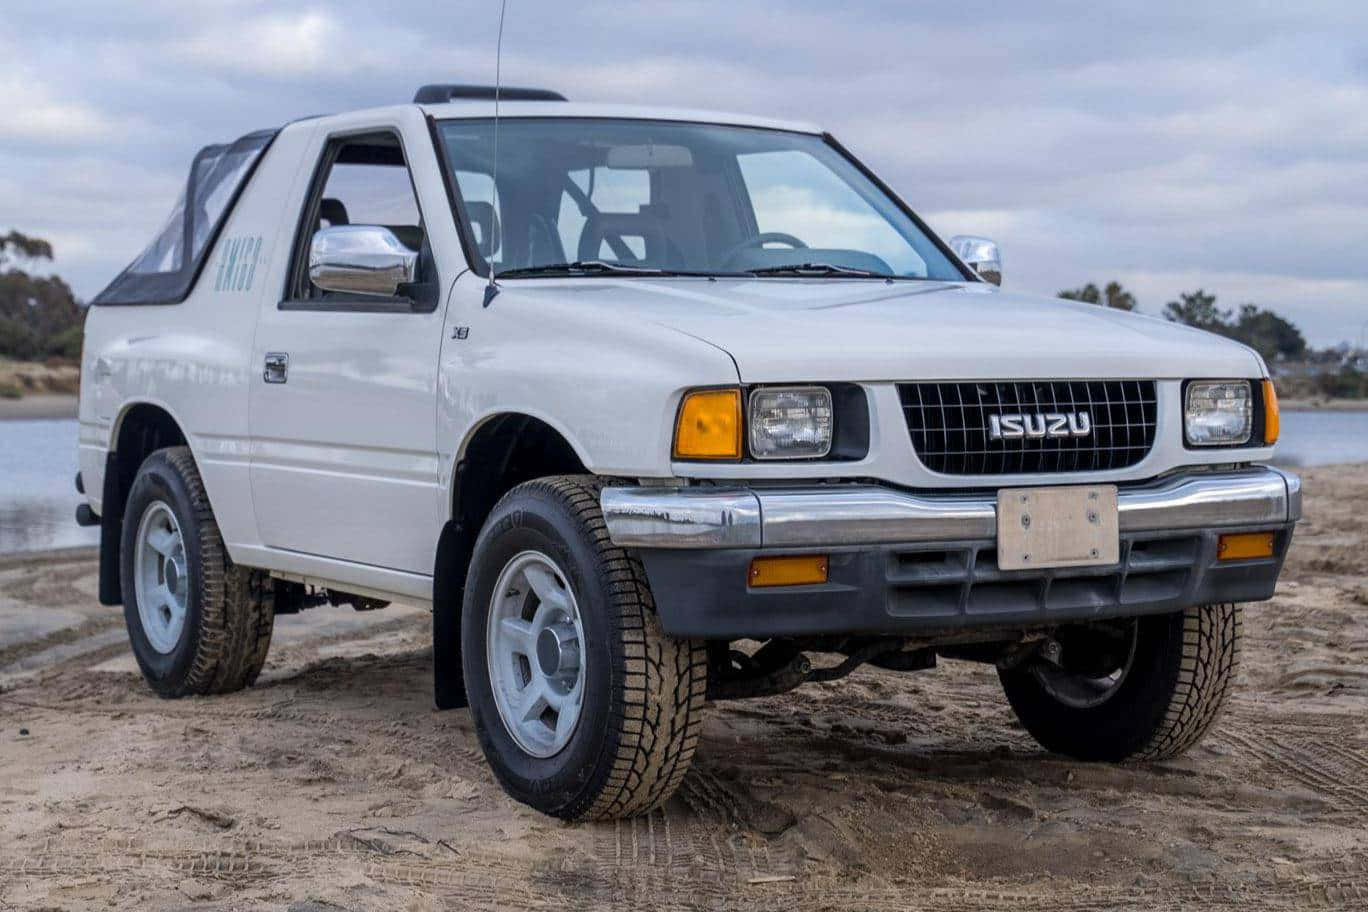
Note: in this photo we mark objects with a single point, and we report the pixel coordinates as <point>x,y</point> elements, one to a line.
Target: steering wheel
<point>760,240</point>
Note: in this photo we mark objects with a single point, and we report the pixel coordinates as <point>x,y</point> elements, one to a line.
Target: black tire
<point>1183,666</point>
<point>229,610</point>
<point>644,692</point>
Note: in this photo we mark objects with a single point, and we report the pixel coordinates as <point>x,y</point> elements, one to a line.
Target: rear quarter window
<point>166,270</point>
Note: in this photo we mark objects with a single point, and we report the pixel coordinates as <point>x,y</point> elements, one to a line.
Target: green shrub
<point>10,390</point>
<point>1346,384</point>
<point>17,341</point>
<point>67,344</point>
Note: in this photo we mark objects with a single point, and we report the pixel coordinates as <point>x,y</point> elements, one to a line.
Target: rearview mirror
<point>648,157</point>
<point>980,255</point>
<point>360,259</point>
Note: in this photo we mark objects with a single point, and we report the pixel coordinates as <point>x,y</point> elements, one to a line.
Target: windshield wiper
<point>579,267</point>
<point>815,269</point>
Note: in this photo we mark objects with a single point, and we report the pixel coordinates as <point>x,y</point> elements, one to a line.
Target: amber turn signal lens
<point>709,425</point>
<point>1244,546</point>
<point>793,570</point>
<point>1271,420</point>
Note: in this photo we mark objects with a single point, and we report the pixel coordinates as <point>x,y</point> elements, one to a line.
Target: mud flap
<point>111,528</point>
<point>448,591</point>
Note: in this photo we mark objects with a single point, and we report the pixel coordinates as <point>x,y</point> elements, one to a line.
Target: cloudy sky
<point>1171,145</point>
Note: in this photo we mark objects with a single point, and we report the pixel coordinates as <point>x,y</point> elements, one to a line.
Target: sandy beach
<point>29,389</point>
<point>333,784</point>
<point>38,405</point>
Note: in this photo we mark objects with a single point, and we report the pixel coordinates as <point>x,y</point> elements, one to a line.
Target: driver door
<point>344,450</point>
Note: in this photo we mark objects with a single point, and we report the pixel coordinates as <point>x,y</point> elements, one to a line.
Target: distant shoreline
<point>1323,405</point>
<point>38,405</point>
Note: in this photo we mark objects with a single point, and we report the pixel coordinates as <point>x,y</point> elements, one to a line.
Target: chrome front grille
<point>950,425</point>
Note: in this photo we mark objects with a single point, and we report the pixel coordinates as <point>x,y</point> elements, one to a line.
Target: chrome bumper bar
<point>834,516</point>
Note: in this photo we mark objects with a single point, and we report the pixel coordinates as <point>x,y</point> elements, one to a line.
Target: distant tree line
<point>1273,336</point>
<point>39,316</point>
<point>1268,333</point>
<point>1113,296</point>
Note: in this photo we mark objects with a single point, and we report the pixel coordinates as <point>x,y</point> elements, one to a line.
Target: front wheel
<point>585,708</point>
<point>1142,689</point>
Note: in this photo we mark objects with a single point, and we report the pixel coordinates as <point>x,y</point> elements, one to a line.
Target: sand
<point>38,405</point>
<point>334,784</point>
<point>30,389</point>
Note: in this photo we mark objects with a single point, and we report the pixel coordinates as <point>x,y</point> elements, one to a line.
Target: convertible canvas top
<point>165,272</point>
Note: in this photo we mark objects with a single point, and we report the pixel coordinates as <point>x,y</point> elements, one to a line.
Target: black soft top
<point>165,272</point>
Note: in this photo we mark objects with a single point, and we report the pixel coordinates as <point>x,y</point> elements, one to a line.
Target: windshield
<point>579,196</point>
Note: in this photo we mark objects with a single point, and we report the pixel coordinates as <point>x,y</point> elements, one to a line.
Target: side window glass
<point>165,271</point>
<point>367,183</point>
<point>373,195</point>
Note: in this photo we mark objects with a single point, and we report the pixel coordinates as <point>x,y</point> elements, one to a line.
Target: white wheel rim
<point>533,643</point>
<point>161,577</point>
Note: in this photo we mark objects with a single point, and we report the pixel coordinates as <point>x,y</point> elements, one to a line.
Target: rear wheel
<point>197,623</point>
<point>1146,688</point>
<point>585,708</point>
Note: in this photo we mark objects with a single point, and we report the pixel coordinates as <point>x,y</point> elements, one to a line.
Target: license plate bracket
<point>1065,526</point>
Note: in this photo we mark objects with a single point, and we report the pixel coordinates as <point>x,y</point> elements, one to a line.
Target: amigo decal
<point>237,264</point>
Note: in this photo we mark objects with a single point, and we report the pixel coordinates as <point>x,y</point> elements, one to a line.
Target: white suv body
<point>357,443</point>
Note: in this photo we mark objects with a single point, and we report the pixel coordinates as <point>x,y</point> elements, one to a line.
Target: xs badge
<point>1039,424</point>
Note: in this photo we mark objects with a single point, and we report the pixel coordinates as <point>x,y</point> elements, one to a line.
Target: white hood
<point>784,330</point>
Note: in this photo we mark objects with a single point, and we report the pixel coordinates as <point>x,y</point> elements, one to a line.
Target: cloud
<point>1218,143</point>
<point>36,113</point>
<point>33,117</point>
<point>291,44</point>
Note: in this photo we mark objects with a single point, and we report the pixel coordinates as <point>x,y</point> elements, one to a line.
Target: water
<point>38,462</point>
<point>1322,438</point>
<point>37,487</point>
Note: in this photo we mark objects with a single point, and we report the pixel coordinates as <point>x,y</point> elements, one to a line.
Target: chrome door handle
<point>277,365</point>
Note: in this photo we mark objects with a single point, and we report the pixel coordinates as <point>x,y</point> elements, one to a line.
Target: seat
<point>613,226</point>
<point>332,211</point>
<point>411,236</point>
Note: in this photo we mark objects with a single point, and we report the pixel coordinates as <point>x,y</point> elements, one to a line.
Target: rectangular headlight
<point>790,422</point>
<point>1218,412</point>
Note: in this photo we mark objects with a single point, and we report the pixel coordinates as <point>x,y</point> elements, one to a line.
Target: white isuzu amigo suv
<point>725,404</point>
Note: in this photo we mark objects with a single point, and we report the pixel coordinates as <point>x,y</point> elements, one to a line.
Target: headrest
<point>332,211</point>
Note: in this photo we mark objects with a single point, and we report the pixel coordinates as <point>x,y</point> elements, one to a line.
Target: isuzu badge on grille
<point>1039,424</point>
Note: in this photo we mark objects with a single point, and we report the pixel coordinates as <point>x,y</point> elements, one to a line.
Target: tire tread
<point>1166,706</point>
<point>237,605</point>
<point>1210,661</point>
<point>663,678</point>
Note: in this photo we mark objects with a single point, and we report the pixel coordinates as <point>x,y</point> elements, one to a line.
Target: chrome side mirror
<point>980,255</point>
<point>360,259</point>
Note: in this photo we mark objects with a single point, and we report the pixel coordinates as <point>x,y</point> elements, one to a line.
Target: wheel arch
<point>141,427</point>
<point>501,451</point>
<point>533,421</point>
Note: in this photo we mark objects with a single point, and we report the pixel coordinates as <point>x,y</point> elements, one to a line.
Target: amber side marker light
<point>709,425</point>
<point>1271,420</point>
<point>1244,545</point>
<point>794,570</point>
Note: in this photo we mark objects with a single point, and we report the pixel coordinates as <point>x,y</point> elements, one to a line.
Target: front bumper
<point>915,564</point>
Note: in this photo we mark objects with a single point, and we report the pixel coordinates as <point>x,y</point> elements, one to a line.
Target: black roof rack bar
<point>439,93</point>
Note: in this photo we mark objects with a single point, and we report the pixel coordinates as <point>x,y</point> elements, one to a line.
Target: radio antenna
<point>492,288</point>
